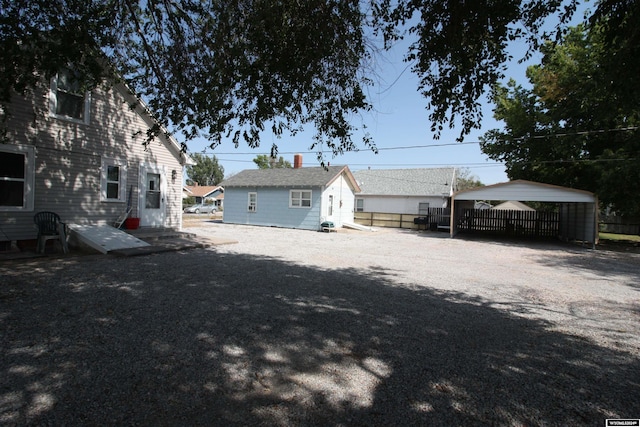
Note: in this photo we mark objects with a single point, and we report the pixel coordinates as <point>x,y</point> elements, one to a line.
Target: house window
<point>359,205</point>
<point>330,205</point>
<point>300,199</point>
<point>252,203</point>
<point>67,99</point>
<point>113,180</point>
<point>16,177</point>
<point>423,209</point>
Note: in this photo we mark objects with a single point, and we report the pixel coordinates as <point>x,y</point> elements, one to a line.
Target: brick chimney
<point>297,161</point>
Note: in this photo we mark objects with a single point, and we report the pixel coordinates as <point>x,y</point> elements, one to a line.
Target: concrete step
<point>154,234</point>
<point>168,240</point>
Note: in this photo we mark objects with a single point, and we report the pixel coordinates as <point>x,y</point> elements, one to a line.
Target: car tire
<point>197,211</point>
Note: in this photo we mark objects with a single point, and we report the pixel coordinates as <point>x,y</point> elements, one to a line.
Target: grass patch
<point>620,242</point>
<point>621,238</point>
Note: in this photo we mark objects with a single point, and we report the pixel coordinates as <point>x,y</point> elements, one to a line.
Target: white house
<point>404,191</point>
<point>81,155</point>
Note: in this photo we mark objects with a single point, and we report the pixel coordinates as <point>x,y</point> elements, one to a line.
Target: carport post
<point>452,232</point>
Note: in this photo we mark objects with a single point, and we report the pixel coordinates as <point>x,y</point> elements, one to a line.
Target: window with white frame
<point>252,202</point>
<point>67,98</point>
<point>17,166</point>
<point>423,209</point>
<point>300,198</point>
<point>113,180</point>
<point>359,205</point>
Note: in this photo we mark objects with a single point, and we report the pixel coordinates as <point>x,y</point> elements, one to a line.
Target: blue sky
<point>399,119</point>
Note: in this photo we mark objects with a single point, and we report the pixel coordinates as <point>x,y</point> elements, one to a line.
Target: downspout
<point>452,232</point>
<point>321,211</point>
<point>452,221</point>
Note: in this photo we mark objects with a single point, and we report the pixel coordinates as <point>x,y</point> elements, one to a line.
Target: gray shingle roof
<point>286,177</point>
<point>405,182</point>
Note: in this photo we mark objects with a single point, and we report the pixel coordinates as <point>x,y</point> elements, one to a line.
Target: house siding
<point>68,158</point>
<point>399,204</point>
<point>272,208</point>
<point>343,202</point>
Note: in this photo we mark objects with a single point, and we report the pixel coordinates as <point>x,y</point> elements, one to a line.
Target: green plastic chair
<point>50,227</point>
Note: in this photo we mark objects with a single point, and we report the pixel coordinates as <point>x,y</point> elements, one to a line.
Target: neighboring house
<point>81,155</point>
<point>404,191</point>
<point>513,205</point>
<point>206,193</point>
<point>290,197</point>
<point>186,192</point>
<point>219,201</point>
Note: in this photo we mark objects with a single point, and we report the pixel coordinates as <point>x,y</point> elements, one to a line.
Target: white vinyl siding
<point>65,172</point>
<point>113,180</point>
<point>16,177</point>
<point>300,198</point>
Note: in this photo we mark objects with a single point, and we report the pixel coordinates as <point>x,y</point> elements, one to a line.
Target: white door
<point>152,199</point>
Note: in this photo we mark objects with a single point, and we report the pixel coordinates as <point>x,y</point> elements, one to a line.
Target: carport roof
<point>523,191</point>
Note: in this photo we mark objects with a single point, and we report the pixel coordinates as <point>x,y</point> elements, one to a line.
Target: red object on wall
<point>132,223</point>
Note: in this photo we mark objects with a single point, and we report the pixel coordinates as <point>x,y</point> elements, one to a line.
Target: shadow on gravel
<point>605,264</point>
<point>601,262</point>
<point>198,338</point>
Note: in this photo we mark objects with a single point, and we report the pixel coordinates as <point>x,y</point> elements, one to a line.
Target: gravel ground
<point>290,327</point>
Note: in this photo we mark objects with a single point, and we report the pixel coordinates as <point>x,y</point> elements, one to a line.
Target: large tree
<point>206,170</point>
<point>577,125</point>
<point>233,69</point>
<point>467,180</point>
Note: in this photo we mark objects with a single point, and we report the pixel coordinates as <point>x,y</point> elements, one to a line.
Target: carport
<point>576,220</point>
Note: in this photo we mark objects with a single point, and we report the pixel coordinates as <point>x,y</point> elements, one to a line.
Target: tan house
<point>81,155</point>
<point>205,194</point>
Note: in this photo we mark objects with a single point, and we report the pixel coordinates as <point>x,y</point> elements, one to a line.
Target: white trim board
<point>526,191</point>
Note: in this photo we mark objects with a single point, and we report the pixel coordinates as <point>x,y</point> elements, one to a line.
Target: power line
<point>537,162</point>
<point>406,147</point>
<point>577,133</point>
<point>391,165</point>
<point>447,144</point>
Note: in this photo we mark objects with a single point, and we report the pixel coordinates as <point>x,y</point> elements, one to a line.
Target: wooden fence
<point>433,218</point>
<point>505,222</point>
<point>490,221</point>
<point>510,222</point>
<point>619,225</point>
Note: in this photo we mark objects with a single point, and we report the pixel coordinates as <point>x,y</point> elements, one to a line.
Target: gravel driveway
<point>290,327</point>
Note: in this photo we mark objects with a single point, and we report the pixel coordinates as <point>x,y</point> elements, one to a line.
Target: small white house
<point>404,191</point>
<point>297,197</point>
